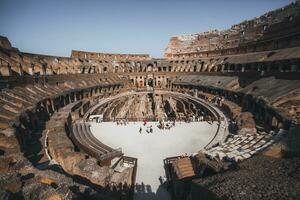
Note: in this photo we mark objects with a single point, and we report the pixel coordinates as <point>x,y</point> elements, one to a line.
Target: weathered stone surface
<point>36,191</point>
<point>90,169</point>
<point>238,35</point>
<point>11,182</point>
<point>257,178</point>
<point>245,120</point>
<point>4,195</point>
<point>253,67</point>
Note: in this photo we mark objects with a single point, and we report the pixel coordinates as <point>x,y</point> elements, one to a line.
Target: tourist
<point>167,126</point>
<point>160,180</point>
<point>143,187</point>
<point>164,179</point>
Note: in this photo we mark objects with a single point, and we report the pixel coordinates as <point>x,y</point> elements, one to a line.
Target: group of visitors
<point>166,125</point>
<point>193,118</point>
<point>149,129</point>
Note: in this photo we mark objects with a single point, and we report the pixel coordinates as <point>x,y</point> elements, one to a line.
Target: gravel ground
<point>260,177</point>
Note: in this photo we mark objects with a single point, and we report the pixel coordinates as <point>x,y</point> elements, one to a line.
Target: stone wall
<point>248,36</point>
<point>108,56</point>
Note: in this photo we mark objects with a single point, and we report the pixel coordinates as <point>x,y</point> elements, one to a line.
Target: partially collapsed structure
<point>247,78</point>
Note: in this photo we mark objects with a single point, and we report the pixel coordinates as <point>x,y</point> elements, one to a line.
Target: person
<point>151,130</point>
<point>164,179</point>
<point>143,187</point>
<point>160,179</point>
<point>140,130</point>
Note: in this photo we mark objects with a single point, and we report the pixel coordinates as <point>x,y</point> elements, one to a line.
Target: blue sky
<point>56,27</point>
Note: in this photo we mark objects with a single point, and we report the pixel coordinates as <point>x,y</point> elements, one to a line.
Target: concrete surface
<point>152,148</point>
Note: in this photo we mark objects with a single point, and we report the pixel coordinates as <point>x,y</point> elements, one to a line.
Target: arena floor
<point>152,148</point>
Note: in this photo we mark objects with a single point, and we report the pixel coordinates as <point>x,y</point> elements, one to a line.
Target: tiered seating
<point>82,137</point>
<point>183,168</point>
<point>59,147</point>
<point>62,151</point>
<point>226,82</point>
<point>247,142</point>
<point>241,147</point>
<point>27,148</point>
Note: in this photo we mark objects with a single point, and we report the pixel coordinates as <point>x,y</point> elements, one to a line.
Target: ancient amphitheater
<point>217,118</point>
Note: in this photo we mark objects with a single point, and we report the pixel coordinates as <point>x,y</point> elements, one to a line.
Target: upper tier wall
<point>16,63</point>
<point>108,56</point>
<point>274,30</point>
<point>4,43</point>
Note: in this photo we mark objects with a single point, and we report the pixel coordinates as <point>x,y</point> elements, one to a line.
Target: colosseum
<point>217,118</point>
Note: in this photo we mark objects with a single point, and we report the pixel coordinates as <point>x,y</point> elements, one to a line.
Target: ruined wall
<point>267,45</point>
<point>273,101</point>
<point>16,63</point>
<point>4,43</point>
<point>108,56</point>
<point>273,30</point>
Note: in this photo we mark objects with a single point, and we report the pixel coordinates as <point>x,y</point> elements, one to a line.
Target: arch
<point>105,69</point>
<point>219,68</point>
<point>82,70</point>
<point>116,69</point>
<point>149,68</point>
<point>44,68</point>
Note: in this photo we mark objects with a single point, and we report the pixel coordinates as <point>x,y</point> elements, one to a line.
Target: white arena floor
<point>152,148</point>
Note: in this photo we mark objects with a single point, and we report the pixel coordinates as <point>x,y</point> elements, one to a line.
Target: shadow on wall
<point>144,192</point>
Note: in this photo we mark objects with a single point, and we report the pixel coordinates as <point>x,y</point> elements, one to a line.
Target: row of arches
<point>261,111</point>
<point>11,68</point>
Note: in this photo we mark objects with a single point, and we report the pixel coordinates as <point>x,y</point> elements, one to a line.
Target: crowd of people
<point>166,125</point>
<point>162,124</point>
<point>149,129</point>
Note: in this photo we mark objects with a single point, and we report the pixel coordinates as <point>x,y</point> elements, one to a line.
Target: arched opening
<point>116,69</point>
<point>150,82</point>
<point>239,67</point>
<point>286,67</point>
<point>226,67</point>
<point>274,67</point>
<point>247,67</point>
<point>149,68</point>
<point>219,67</point>
<point>231,67</point>
<point>195,68</point>
<point>44,68</point>
<point>83,70</point>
